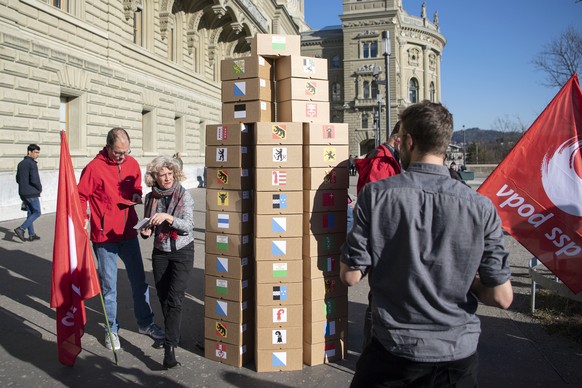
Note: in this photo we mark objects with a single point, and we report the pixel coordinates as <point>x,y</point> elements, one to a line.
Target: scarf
<point>174,205</point>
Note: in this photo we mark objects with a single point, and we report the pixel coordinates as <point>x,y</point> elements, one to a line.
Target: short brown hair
<point>431,126</point>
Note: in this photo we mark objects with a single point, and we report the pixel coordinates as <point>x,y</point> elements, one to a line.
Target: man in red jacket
<point>111,185</point>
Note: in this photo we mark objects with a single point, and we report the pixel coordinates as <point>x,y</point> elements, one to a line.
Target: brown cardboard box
<point>227,289</point>
<point>303,111</point>
<point>301,67</point>
<point>229,178</point>
<point>278,202</point>
<point>246,67</point>
<point>228,134</point>
<point>270,45</point>
<point>322,353</point>
<point>273,338</point>
<point>247,90</point>
<point>279,316</point>
<point>320,266</point>
<point>322,200</point>
<point>284,179</point>
<point>229,156</point>
<point>271,249</point>
<point>302,89</point>
<point>325,223</point>
<point>229,200</point>
<point>326,156</point>
<point>229,222</point>
<point>321,331</point>
<point>325,133</point>
<point>279,294</point>
<point>228,266</point>
<point>228,244</point>
<point>279,360</point>
<point>235,355</point>
<point>247,111</point>
<point>324,288</point>
<point>279,271</point>
<point>281,225</point>
<point>228,310</point>
<point>325,309</point>
<point>231,333</point>
<point>326,178</point>
<point>278,133</point>
<point>322,244</point>
<point>278,156</point>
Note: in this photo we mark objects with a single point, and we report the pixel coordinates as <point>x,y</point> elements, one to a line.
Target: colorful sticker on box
<point>329,264</point>
<point>280,293</point>
<point>240,89</point>
<point>222,243</point>
<point>221,308</point>
<point>223,221</point>
<point>330,350</point>
<point>329,307</point>
<point>221,286</point>
<point>328,131</point>
<point>279,201</point>
<point>279,270</point>
<point>221,329</point>
<point>279,132</point>
<point>279,337</point>
<point>222,198</point>
<point>328,243</point>
<point>279,314</point>
<point>222,177</point>
<point>329,154</point>
<point>328,199</point>
<point>238,67</point>
<point>221,154</point>
<point>279,178</point>
<point>279,224</point>
<point>279,247</point>
<point>311,109</point>
<point>329,329</point>
<point>221,264</point>
<point>329,285</point>
<point>240,111</point>
<point>279,154</point>
<point>279,42</point>
<point>308,65</point>
<point>310,88</point>
<point>221,132</point>
<point>328,220</point>
<point>279,359</point>
<point>330,176</point>
<point>221,350</point>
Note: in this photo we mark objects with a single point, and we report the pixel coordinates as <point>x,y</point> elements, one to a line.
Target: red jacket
<point>106,185</point>
<point>380,166</point>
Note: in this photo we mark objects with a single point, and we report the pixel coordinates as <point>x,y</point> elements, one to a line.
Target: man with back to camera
<point>110,185</point>
<point>425,281</point>
<point>29,189</point>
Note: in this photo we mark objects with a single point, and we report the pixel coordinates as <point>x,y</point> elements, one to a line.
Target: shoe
<point>154,331</point>
<point>20,233</point>
<point>116,343</point>
<point>170,357</point>
<point>34,237</point>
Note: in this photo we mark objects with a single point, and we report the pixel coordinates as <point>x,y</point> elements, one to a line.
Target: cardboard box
<point>321,266</point>
<point>275,338</point>
<point>279,316</point>
<point>279,294</point>
<point>325,223</point>
<point>228,244</point>
<point>324,288</point>
<point>228,134</point>
<point>323,200</point>
<point>228,266</point>
<point>302,89</point>
<point>322,331</point>
<point>301,67</point>
<point>229,178</point>
<point>247,90</point>
<point>285,179</point>
<point>235,355</point>
<point>303,111</point>
<point>278,156</point>
<point>281,225</point>
<point>229,200</point>
<point>325,309</point>
<point>270,45</point>
<point>323,244</point>
<point>278,202</point>
<point>229,222</point>
<point>326,178</point>
<point>271,249</point>
<point>228,310</point>
<point>278,133</point>
<point>280,271</point>
<point>229,156</point>
<point>326,156</point>
<point>247,111</point>
<point>246,67</point>
<point>325,133</point>
<point>322,353</point>
<point>227,289</point>
<point>279,360</point>
<point>231,333</point>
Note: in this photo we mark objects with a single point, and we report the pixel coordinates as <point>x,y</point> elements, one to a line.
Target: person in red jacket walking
<point>110,185</point>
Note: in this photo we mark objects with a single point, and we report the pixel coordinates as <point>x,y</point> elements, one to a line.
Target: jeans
<point>32,213</point>
<point>128,251</point>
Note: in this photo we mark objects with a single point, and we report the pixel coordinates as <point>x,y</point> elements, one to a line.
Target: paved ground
<point>514,350</point>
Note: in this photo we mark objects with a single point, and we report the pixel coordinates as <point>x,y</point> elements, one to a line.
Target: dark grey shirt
<point>422,236</point>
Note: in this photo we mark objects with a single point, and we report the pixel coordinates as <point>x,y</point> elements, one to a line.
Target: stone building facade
<point>150,66</point>
<point>357,68</point>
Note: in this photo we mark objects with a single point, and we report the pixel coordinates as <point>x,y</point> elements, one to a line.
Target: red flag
<point>537,188</point>
<point>74,276</point>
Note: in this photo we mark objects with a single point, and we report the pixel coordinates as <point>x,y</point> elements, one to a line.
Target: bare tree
<point>509,124</point>
<point>561,58</point>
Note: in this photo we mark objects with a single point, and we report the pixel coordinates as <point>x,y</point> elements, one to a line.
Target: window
<point>148,130</point>
<point>364,120</point>
<point>413,90</point>
<point>432,92</point>
<point>335,62</point>
<point>366,89</point>
<point>72,119</point>
<point>336,92</point>
<point>369,49</point>
<point>138,16</point>
<point>171,37</point>
<point>374,90</point>
<point>61,4</point>
<point>180,138</point>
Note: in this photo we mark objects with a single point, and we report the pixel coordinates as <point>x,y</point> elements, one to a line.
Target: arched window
<point>374,90</point>
<point>336,92</point>
<point>413,90</point>
<point>364,120</point>
<point>432,92</point>
<point>366,89</point>
<point>369,49</point>
<point>335,62</point>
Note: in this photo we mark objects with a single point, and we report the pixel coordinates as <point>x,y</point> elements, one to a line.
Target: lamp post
<point>386,51</point>
<point>379,120</point>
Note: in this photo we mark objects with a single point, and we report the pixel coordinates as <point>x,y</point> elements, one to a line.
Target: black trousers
<point>377,367</point>
<point>171,274</point>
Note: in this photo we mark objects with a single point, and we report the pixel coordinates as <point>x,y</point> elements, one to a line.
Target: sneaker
<point>154,331</point>
<point>116,343</point>
<point>34,237</point>
<point>20,233</point>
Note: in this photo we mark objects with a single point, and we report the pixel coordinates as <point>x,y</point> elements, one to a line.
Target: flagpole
<point>109,329</point>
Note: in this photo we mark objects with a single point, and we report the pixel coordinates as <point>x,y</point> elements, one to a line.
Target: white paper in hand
<point>143,223</point>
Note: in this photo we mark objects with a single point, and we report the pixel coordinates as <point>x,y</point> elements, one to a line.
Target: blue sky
<point>486,66</point>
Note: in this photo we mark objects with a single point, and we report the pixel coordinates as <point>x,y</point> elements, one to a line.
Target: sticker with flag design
<point>240,111</point>
<point>222,132</point>
<point>310,88</point>
<point>222,177</point>
<point>279,154</point>
<point>279,248</point>
<point>329,154</point>
<point>238,67</point>
<point>279,131</point>
<point>221,308</point>
<point>279,314</point>
<point>221,350</point>
<point>280,293</point>
<point>330,177</point>
<point>279,359</point>
<point>311,109</point>
<point>221,264</point>
<point>328,220</point>
<point>221,154</point>
<point>240,89</point>
<point>279,337</point>
<point>329,306</point>
<point>221,286</point>
<point>328,131</point>
<point>329,285</point>
<point>279,224</point>
<point>328,242</point>
<point>329,329</point>
<point>221,329</point>
<point>279,42</point>
<point>222,198</point>
<point>223,221</point>
<point>328,199</point>
<point>279,201</point>
<point>330,349</point>
<point>309,65</point>
<point>279,270</point>
<point>329,264</point>
<point>222,243</point>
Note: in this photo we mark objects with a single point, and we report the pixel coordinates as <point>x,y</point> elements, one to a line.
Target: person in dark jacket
<point>29,189</point>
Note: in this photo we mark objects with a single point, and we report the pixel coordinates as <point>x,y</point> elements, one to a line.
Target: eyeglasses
<point>117,153</point>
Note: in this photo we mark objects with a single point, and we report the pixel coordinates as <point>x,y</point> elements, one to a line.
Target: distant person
<point>454,173</point>
<point>110,185</point>
<point>29,189</point>
<point>352,165</point>
<point>178,157</point>
<point>426,281</point>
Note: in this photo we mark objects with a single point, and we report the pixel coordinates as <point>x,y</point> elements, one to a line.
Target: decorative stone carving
<point>167,21</point>
<point>236,27</point>
<point>129,7</point>
<point>367,34</point>
<point>432,61</point>
<point>413,56</point>
<point>369,68</point>
<point>74,78</point>
<point>219,10</point>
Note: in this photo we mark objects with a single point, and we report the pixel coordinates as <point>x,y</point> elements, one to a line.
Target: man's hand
<point>136,198</point>
<point>350,277</point>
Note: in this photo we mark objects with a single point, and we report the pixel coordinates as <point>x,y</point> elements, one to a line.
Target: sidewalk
<point>514,351</point>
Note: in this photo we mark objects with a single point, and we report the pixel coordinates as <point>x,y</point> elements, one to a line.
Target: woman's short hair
<point>157,164</point>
